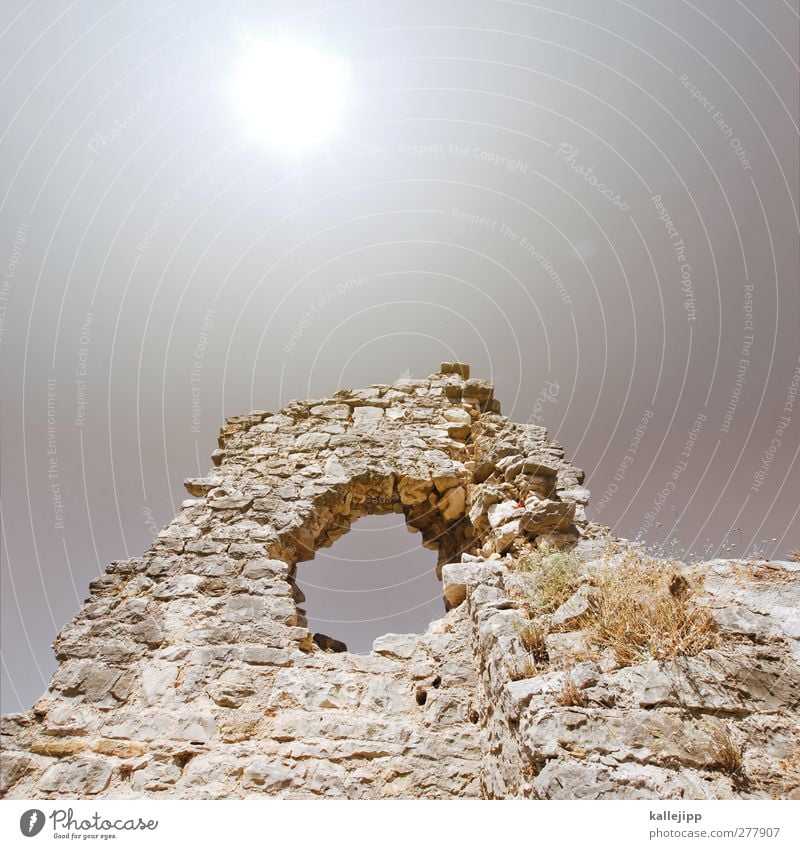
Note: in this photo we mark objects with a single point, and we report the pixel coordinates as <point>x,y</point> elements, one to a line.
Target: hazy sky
<point>592,202</point>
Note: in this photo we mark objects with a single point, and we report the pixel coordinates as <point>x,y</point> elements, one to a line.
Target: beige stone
<point>190,672</point>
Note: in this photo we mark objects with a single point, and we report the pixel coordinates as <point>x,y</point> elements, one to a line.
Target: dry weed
<point>550,579</point>
<point>571,695</point>
<point>645,610</point>
<point>728,754</point>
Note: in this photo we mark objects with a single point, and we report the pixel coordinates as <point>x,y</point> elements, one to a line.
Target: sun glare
<point>291,95</point>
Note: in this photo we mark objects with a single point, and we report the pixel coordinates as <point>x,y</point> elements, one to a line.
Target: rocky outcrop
<point>722,723</point>
<point>190,672</point>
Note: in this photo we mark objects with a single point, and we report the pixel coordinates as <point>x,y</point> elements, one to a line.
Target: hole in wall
<point>374,580</point>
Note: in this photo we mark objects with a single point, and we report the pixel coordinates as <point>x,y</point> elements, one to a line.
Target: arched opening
<point>374,580</point>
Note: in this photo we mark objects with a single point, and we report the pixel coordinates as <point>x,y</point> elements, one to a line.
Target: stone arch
<point>189,672</point>
<point>193,660</point>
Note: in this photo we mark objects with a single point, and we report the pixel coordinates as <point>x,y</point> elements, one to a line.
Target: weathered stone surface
<point>451,504</point>
<point>544,516</point>
<point>454,581</point>
<point>574,609</point>
<point>79,777</point>
<point>396,645</point>
<point>190,672</point>
<point>499,514</point>
<point>461,369</point>
<point>265,656</point>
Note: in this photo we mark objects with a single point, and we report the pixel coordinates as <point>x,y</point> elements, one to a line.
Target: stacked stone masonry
<point>190,671</point>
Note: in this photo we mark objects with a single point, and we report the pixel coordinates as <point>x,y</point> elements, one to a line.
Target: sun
<point>291,95</point>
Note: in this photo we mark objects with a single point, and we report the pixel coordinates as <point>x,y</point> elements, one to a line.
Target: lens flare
<point>291,95</point>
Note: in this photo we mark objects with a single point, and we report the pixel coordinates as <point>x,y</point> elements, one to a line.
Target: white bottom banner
<point>592,825</point>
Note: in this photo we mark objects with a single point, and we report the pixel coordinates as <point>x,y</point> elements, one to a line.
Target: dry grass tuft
<point>550,579</point>
<point>526,668</point>
<point>571,695</point>
<point>534,638</point>
<point>728,754</point>
<point>795,555</point>
<point>645,610</point>
<point>643,607</point>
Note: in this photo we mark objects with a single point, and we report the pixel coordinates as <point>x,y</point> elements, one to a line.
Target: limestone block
<point>413,491</point>
<point>177,587</point>
<point>14,765</point>
<point>451,504</point>
<point>156,775</point>
<point>265,568</point>
<point>232,688</point>
<point>312,441</point>
<point>532,466</point>
<point>456,415</point>
<point>478,389</point>
<point>505,535</point>
<point>545,516</point>
<point>244,608</point>
<point>331,411</point>
<point>456,430</point>
<point>574,609</point>
<point>738,619</point>
<point>67,720</point>
<point>396,645</point>
<point>77,777</point>
<point>260,655</point>
<point>200,486</point>
<point>267,776</point>
<point>505,511</point>
<point>454,581</point>
<point>461,369</point>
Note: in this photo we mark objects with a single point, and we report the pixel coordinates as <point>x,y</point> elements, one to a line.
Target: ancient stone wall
<point>190,672</point>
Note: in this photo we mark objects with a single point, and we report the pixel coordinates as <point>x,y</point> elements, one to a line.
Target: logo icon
<point>31,822</point>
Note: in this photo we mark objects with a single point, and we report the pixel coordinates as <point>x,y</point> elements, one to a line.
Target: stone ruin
<point>190,671</point>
